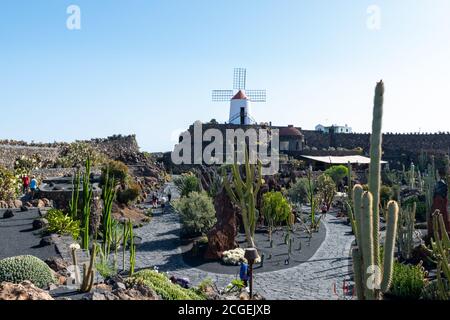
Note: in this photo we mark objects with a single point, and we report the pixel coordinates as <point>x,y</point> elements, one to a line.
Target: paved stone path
<point>312,280</point>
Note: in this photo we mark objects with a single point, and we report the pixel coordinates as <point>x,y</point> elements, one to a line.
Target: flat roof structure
<point>341,159</point>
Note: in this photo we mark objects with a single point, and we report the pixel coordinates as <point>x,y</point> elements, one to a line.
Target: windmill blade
<point>222,95</point>
<point>239,78</point>
<point>256,95</point>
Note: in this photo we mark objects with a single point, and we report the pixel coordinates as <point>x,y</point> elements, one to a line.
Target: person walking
<point>33,186</point>
<point>163,202</point>
<point>154,201</point>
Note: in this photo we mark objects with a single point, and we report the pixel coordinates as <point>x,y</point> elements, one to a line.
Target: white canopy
<point>341,159</point>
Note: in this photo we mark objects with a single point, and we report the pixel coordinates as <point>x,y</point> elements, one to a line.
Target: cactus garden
<point>120,224</point>
<point>127,174</point>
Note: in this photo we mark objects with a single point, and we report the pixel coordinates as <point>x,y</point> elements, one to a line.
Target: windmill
<point>240,98</point>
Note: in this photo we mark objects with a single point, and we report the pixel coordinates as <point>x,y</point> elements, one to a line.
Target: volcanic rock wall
<point>124,148</point>
<point>396,146</point>
<point>437,142</point>
<point>9,154</point>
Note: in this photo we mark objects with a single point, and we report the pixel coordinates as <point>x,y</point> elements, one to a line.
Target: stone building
<point>291,139</point>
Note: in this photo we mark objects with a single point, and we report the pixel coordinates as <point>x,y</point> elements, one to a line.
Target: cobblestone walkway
<point>312,280</point>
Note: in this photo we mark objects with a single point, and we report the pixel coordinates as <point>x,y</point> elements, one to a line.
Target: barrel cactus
<point>21,268</point>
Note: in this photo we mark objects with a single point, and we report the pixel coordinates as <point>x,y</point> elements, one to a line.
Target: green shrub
<point>275,208</point>
<point>337,173</point>
<point>236,285</point>
<point>162,285</point>
<point>205,284</point>
<point>117,170</point>
<point>9,185</point>
<point>25,165</point>
<point>130,194</point>
<point>298,191</point>
<point>408,281</point>
<point>76,153</point>
<point>105,269</point>
<point>21,268</point>
<point>60,223</point>
<point>326,189</point>
<point>197,213</point>
<point>187,183</point>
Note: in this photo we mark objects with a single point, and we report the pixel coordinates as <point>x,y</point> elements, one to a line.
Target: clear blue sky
<point>148,67</point>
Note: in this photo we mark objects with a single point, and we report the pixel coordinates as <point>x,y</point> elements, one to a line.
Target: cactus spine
<point>244,194</point>
<point>87,198</point>
<point>441,250</point>
<point>406,231</point>
<point>370,277</point>
<point>132,248</point>
<point>375,162</point>
<point>73,205</point>
<point>88,272</point>
<point>349,181</point>
<point>412,176</point>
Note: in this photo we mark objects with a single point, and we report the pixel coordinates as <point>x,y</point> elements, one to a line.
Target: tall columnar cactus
<point>371,277</point>
<point>441,248</point>
<point>405,237</point>
<point>87,280</point>
<point>447,168</point>
<point>87,198</point>
<point>108,195</point>
<point>349,180</point>
<point>244,194</point>
<point>132,248</point>
<point>429,183</point>
<point>73,205</point>
<point>89,271</point>
<point>375,162</point>
<point>419,181</point>
<point>412,176</point>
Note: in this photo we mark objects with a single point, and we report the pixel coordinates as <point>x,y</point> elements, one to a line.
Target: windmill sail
<point>222,95</point>
<point>256,95</point>
<point>239,78</point>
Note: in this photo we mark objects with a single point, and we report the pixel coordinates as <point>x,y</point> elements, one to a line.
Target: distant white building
<point>337,129</point>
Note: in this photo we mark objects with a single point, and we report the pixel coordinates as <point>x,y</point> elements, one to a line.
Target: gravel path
<point>312,280</point>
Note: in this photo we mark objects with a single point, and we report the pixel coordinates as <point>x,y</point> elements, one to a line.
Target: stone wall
<point>124,148</point>
<point>9,154</point>
<point>395,145</point>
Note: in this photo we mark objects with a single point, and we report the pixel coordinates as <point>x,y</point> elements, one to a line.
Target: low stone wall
<point>123,148</point>
<point>9,154</point>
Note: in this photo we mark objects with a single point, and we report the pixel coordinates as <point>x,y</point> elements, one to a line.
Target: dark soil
<point>274,258</point>
<point>17,236</point>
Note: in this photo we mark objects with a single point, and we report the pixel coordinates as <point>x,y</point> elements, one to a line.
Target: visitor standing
<point>163,202</point>
<point>169,196</point>
<point>33,186</point>
<point>243,273</point>
<point>154,200</point>
<point>25,184</point>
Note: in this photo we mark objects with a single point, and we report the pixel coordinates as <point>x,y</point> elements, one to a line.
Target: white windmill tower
<point>240,98</point>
